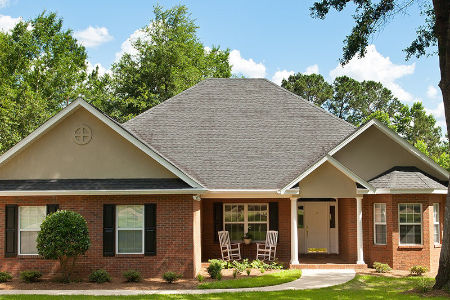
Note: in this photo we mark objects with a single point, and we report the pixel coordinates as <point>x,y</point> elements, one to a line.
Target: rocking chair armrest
<point>236,244</point>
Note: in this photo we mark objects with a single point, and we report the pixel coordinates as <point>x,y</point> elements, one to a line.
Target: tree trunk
<point>442,12</point>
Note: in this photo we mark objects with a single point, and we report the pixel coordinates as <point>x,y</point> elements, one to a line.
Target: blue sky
<point>268,39</point>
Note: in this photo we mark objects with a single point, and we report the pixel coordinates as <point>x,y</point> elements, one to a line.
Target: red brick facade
<point>175,251</point>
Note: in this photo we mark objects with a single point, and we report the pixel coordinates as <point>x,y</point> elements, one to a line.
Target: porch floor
<point>325,261</point>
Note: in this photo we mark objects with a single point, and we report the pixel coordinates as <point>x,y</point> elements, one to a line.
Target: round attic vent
<point>82,135</point>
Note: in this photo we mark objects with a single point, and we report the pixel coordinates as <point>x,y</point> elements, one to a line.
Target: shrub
<point>424,285</point>
<point>248,271</point>
<point>64,236</point>
<point>381,268</point>
<point>5,276</point>
<point>30,276</point>
<point>418,270</point>
<point>241,266</point>
<point>132,276</point>
<point>99,276</point>
<point>171,277</point>
<point>215,268</point>
<point>262,270</point>
<point>235,272</point>
<point>219,276</point>
<point>200,278</point>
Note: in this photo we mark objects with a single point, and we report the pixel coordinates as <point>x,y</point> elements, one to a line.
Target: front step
<point>329,266</point>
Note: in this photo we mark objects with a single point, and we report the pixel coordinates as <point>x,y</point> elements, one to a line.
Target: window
<point>332,216</point>
<point>130,229</point>
<point>300,219</point>
<point>410,223</point>
<point>251,218</point>
<point>30,220</point>
<point>437,227</point>
<point>379,220</point>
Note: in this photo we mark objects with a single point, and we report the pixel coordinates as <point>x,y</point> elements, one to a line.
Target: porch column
<point>359,231</point>
<point>294,232</point>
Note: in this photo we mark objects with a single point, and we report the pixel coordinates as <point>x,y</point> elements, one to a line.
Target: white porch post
<point>294,233</point>
<point>359,231</point>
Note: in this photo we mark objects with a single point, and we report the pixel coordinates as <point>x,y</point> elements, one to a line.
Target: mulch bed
<point>393,273</point>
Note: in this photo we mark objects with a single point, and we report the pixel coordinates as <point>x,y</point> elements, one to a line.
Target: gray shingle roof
<point>406,178</point>
<point>240,133</point>
<point>92,184</point>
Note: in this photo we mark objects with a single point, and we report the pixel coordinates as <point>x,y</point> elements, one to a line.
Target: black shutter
<point>109,217</point>
<point>218,219</point>
<point>273,217</point>
<point>51,208</point>
<point>11,230</point>
<point>150,229</point>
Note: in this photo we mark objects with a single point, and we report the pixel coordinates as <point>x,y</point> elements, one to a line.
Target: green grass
<point>362,287</point>
<point>247,282</point>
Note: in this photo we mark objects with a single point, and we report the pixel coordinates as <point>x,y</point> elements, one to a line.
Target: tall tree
<point>170,58</point>
<point>369,17</point>
<point>311,87</point>
<point>41,67</point>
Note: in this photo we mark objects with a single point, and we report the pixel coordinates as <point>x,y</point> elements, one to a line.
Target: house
<point>244,155</point>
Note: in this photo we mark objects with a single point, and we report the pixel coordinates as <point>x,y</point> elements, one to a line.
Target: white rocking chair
<point>228,250</point>
<point>268,250</point>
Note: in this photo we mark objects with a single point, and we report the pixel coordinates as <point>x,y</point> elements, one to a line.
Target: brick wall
<point>210,248</point>
<point>347,229</point>
<point>175,234</point>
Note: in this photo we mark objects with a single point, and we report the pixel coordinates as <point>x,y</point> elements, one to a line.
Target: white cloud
<point>246,67</point>
<point>7,23</point>
<point>127,45</point>
<point>93,36</point>
<point>432,92</point>
<point>280,75</point>
<point>101,70</point>
<point>314,69</point>
<point>4,3</point>
<point>374,66</point>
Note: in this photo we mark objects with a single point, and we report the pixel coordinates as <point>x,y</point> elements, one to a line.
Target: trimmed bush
<point>30,275</point>
<point>171,277</point>
<point>5,276</point>
<point>99,276</point>
<point>200,278</point>
<point>132,276</point>
<point>215,268</point>
<point>381,268</point>
<point>418,270</point>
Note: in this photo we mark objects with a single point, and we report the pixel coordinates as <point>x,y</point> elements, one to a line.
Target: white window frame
<point>26,230</point>
<point>124,229</point>
<point>375,223</point>
<point>246,216</point>
<point>436,222</point>
<point>421,225</point>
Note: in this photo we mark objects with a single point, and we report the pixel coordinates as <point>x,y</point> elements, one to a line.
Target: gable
<point>373,152</point>
<point>55,154</point>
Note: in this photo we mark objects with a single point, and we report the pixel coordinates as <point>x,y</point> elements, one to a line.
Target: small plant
<point>132,276</point>
<point>424,285</point>
<point>171,277</point>
<point>99,276</point>
<point>418,270</point>
<point>235,272</point>
<point>215,268</point>
<point>200,278</point>
<point>247,236</point>
<point>30,276</point>
<point>248,271</point>
<point>262,270</point>
<point>241,266</point>
<point>5,276</point>
<point>381,268</point>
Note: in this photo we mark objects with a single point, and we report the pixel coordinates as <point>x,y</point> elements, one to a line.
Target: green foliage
<point>235,273</point>
<point>5,276</point>
<point>219,276</point>
<point>200,278</point>
<point>241,266</point>
<point>132,276</point>
<point>259,264</point>
<point>248,271</point>
<point>418,270</point>
<point>424,285</point>
<point>215,268</point>
<point>381,268</point>
<point>30,275</point>
<point>100,276</point>
<point>171,277</point>
<point>64,236</point>
<point>312,87</point>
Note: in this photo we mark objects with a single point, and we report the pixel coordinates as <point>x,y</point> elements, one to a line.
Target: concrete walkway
<point>311,279</point>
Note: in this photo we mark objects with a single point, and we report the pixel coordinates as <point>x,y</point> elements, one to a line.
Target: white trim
<point>125,134</point>
<point>337,165</point>
<point>102,192</point>
<point>415,224</point>
<point>25,230</point>
<point>411,191</point>
<point>294,232</point>
<point>359,232</point>
<point>438,222</point>
<point>394,136</point>
<point>375,223</point>
<point>128,229</point>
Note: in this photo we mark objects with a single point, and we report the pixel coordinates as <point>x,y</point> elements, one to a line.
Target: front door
<point>316,227</point>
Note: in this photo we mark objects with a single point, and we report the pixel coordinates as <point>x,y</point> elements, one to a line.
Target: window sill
<point>411,247</point>
<point>28,256</point>
<point>437,246</point>
<point>129,255</point>
<point>380,245</point>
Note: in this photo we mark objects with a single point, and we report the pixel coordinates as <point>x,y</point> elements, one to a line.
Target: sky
<point>271,39</point>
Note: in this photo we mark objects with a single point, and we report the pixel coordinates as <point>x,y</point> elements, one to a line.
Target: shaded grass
<point>258,281</point>
<point>362,287</point>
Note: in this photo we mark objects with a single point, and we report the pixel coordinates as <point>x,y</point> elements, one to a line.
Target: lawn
<point>362,287</point>
<point>263,280</point>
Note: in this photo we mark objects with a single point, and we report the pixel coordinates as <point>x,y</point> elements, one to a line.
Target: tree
<point>170,58</point>
<point>41,67</point>
<point>64,236</point>
<point>369,18</point>
<point>312,87</point>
